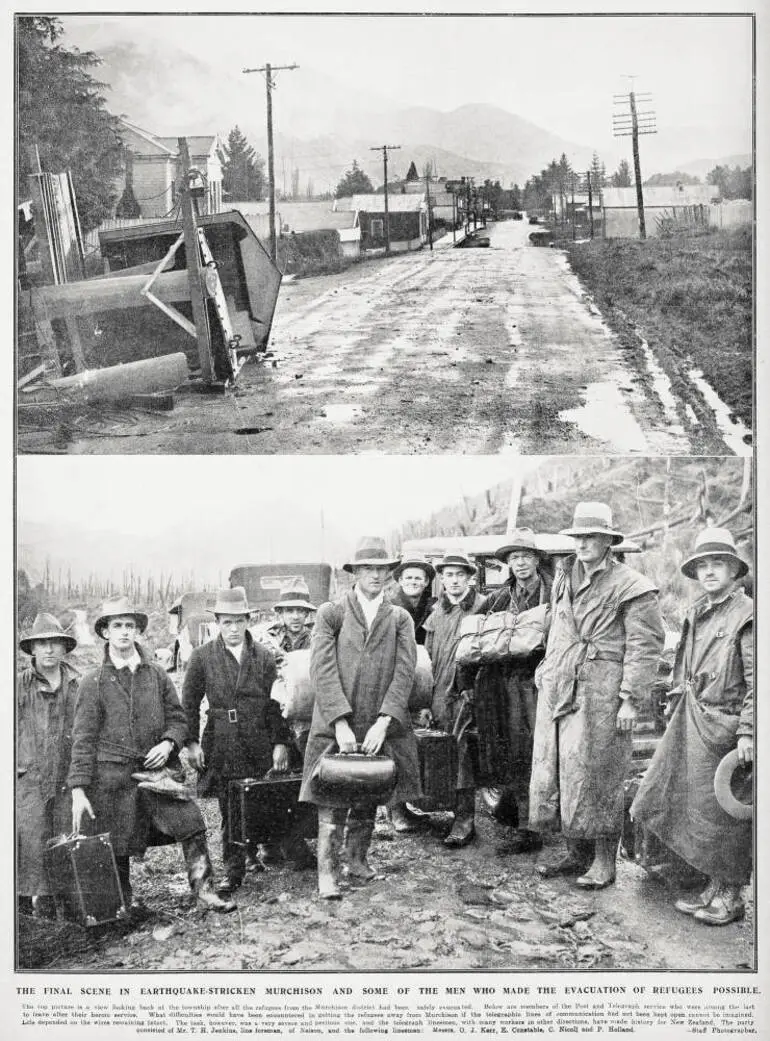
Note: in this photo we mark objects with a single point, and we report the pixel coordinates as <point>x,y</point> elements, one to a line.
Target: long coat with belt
<point>360,673</point>
<point>243,723</point>
<point>119,717</point>
<point>604,645</point>
<point>43,745</point>
<point>714,675</point>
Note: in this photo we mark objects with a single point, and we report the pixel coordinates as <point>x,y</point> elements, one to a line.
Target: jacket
<point>418,612</point>
<point>442,637</point>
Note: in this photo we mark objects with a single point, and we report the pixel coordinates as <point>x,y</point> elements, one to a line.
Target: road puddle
<point>662,386</point>
<point>605,417</point>
<point>736,436</point>
<point>341,413</point>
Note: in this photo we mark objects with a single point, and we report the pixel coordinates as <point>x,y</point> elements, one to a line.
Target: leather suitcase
<point>84,878</point>
<point>437,752</point>
<point>263,810</point>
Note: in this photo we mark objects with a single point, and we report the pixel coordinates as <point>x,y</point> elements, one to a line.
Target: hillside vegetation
<point>691,298</point>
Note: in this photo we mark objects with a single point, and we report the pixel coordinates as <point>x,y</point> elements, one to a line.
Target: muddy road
<point>456,350</point>
<point>429,908</point>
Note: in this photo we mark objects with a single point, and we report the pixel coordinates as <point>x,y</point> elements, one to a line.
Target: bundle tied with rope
<point>502,636</point>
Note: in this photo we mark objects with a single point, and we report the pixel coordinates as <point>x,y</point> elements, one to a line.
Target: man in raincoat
<point>452,699</point>
<point>714,714</point>
<point>128,720</point>
<point>45,708</point>
<point>362,666</point>
<point>604,644</point>
<point>245,733</point>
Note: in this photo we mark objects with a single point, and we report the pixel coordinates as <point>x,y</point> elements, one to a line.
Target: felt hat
<point>119,607</point>
<point>723,787</point>
<point>456,560</point>
<point>232,601</point>
<point>415,560</point>
<point>713,542</point>
<point>370,552</point>
<point>297,596</point>
<point>593,518</point>
<point>521,538</point>
<point>46,627</point>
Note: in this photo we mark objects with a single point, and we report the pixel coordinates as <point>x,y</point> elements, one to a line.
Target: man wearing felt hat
<point>451,706</point>
<point>713,716</point>
<point>45,707</point>
<point>245,734</point>
<point>505,697</point>
<point>362,663</point>
<point>414,575</point>
<point>295,610</point>
<point>129,724</point>
<point>604,644</point>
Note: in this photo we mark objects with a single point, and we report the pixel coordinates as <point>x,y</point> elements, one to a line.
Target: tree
<point>62,111</point>
<point>732,184</point>
<point>243,169</point>
<point>355,182</point>
<point>295,183</point>
<point>411,173</point>
<point>598,172</point>
<point>622,176</point>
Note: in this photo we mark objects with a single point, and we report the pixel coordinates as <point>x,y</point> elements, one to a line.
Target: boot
<point>402,822</point>
<point>330,830</point>
<point>464,827</point>
<point>196,857</point>
<point>43,907</point>
<point>685,906</point>
<point>573,862</point>
<point>357,839</point>
<point>123,865</point>
<point>601,873</point>
<point>521,841</point>
<point>24,905</point>
<point>724,907</point>
<point>296,849</point>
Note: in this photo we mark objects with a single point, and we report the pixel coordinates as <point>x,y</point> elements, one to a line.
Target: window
<point>377,229</point>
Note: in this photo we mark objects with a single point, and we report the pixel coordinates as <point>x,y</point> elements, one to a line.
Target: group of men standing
<point>550,729</point>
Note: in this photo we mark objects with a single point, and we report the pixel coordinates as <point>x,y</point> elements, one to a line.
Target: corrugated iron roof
<point>300,216</point>
<point>661,196</point>
<point>376,203</point>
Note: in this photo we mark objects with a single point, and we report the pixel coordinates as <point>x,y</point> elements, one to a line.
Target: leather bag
<point>355,775</point>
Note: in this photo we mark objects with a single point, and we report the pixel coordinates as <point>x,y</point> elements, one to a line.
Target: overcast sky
<point>558,72</point>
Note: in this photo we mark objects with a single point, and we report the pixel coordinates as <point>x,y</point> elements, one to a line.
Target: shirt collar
<point>132,663</point>
<point>370,607</point>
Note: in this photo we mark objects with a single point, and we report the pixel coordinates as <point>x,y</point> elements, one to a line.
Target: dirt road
<point>429,908</point>
<point>456,350</point>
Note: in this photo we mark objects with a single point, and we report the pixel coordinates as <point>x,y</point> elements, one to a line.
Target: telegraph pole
<point>384,149</point>
<point>269,85</point>
<point>632,124</point>
<point>590,203</point>
<point>427,197</point>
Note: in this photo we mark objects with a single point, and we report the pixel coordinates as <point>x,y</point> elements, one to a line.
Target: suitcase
<point>84,879</point>
<point>263,810</point>
<point>437,753</point>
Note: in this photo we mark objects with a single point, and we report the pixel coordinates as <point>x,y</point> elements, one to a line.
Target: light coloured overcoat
<point>358,674</point>
<point>604,645</point>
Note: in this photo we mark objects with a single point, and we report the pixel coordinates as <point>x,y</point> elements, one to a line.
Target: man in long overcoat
<point>128,719</point>
<point>452,699</point>
<point>245,734</point>
<point>362,666</point>
<point>45,708</point>
<point>714,714</point>
<point>604,644</point>
<point>505,698</point>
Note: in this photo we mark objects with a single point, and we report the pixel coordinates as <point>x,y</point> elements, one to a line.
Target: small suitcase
<point>263,810</point>
<point>437,752</point>
<point>84,878</point>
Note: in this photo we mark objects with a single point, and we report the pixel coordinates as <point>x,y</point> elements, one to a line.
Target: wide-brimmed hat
<point>713,542</point>
<point>740,809</point>
<point>119,607</point>
<point>593,518</point>
<point>456,560</point>
<point>232,601</point>
<point>297,596</point>
<point>46,627</point>
<point>521,538</point>
<point>415,560</point>
<point>370,552</point>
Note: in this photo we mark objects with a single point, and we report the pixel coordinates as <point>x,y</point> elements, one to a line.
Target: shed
<point>679,204</point>
<point>301,217</point>
<point>407,216</point>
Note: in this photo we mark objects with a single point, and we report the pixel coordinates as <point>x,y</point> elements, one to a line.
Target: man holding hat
<point>604,644</point>
<point>451,706</point>
<point>245,734</point>
<point>505,696</point>
<point>679,799</point>
<point>414,575</point>
<point>128,719</point>
<point>45,707</point>
<point>362,664</point>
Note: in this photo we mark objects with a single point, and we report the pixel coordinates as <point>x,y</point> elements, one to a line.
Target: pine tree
<point>61,110</point>
<point>355,182</point>
<point>411,173</point>
<point>622,176</point>
<point>243,169</point>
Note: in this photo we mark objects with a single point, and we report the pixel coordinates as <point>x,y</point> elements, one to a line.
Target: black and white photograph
<point>386,504</point>
<point>412,235</point>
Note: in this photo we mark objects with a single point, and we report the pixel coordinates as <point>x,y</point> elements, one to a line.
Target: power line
<point>632,123</point>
